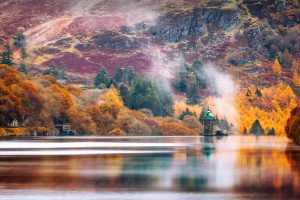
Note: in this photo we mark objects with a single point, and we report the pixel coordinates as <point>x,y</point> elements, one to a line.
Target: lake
<point>167,168</point>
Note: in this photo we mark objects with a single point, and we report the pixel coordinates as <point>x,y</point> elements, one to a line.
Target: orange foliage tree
<point>272,109</point>
<point>10,105</point>
<point>296,79</point>
<point>111,102</point>
<point>276,67</point>
<point>292,127</point>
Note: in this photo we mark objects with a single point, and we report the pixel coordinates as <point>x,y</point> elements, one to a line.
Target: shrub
<point>117,132</point>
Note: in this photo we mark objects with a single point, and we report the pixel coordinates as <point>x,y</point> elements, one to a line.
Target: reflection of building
<point>209,123</point>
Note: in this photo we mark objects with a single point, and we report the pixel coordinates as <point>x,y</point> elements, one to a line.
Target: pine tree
<point>23,53</point>
<point>201,117</point>
<point>180,79</point>
<point>118,75</point>
<point>185,113</point>
<point>271,132</point>
<point>248,93</point>
<point>276,67</point>
<point>7,56</point>
<point>125,94</point>
<point>63,73</point>
<point>193,96</point>
<point>102,78</point>
<point>245,131</point>
<point>19,40</point>
<point>52,71</point>
<point>23,68</point>
<point>256,128</point>
<point>129,75</point>
<point>258,92</point>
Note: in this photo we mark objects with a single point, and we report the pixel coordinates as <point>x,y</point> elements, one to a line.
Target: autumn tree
<point>292,127</point>
<point>296,79</point>
<point>10,105</point>
<point>65,100</point>
<point>111,102</point>
<point>192,122</point>
<point>276,67</point>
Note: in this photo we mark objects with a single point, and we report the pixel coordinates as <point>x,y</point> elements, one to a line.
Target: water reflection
<point>199,164</point>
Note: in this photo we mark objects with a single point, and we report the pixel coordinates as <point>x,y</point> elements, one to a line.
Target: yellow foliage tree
<point>111,102</point>
<point>276,67</point>
<point>296,79</point>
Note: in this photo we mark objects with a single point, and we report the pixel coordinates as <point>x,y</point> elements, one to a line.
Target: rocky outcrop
<point>174,27</point>
<point>113,40</point>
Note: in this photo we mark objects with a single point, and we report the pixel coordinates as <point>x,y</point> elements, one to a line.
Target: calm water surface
<point>235,167</point>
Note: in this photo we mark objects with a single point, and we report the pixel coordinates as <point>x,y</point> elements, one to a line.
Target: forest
<point>128,103</point>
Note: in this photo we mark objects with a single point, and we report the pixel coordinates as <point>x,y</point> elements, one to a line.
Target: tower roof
<point>209,115</point>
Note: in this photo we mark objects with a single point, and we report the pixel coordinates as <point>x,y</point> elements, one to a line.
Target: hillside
<point>240,58</point>
<point>239,36</point>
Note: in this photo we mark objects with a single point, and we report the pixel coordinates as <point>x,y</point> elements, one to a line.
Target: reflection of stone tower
<point>209,123</point>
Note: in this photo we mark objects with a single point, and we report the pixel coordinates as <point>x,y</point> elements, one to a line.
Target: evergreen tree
<point>271,132</point>
<point>180,79</point>
<point>102,78</point>
<point>201,117</point>
<point>118,75</point>
<point>185,113</point>
<point>197,65</point>
<point>256,128</point>
<point>23,53</point>
<point>63,73</point>
<point>23,68</point>
<point>52,71</point>
<point>146,94</point>
<point>199,71</point>
<point>223,124</point>
<point>19,40</point>
<point>245,131</point>
<point>7,56</point>
<point>125,94</point>
<point>166,103</point>
<point>193,96</point>
<point>258,92</point>
<point>129,75</point>
<point>248,93</point>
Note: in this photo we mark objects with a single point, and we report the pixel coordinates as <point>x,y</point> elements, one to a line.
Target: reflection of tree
<point>293,157</point>
<point>193,175</point>
<point>191,178</point>
<point>265,169</point>
<point>139,171</point>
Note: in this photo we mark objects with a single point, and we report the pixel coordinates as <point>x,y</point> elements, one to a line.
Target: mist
<point>224,89</point>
